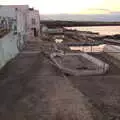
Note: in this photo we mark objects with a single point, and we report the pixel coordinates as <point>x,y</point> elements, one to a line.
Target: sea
<point>102,30</point>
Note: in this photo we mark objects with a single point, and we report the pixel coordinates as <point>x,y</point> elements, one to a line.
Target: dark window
<point>33,21</point>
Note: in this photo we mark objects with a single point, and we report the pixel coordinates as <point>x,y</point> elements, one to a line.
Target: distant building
<point>16,18</point>
<point>32,19</point>
<point>21,14</point>
<point>7,19</point>
<point>7,12</point>
<point>13,21</point>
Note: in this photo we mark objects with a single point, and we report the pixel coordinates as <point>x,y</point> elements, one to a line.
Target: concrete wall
<point>100,66</point>
<point>113,51</point>
<point>86,49</point>
<point>8,48</point>
<point>113,54</point>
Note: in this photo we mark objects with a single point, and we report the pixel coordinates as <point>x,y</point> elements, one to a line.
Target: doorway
<point>35,32</point>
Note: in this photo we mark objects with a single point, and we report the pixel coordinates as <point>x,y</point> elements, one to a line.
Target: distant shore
<point>57,23</point>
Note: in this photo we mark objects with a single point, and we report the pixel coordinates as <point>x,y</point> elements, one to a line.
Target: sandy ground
<point>32,88</point>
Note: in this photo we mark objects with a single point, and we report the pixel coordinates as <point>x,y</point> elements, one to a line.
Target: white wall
<point>19,7</point>
<point>7,12</point>
<point>33,14</point>
<point>22,14</point>
<point>8,48</point>
<point>20,22</point>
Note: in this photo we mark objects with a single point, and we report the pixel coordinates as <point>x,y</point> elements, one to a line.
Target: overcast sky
<point>69,6</point>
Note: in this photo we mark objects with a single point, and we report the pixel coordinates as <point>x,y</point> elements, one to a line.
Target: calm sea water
<point>103,30</point>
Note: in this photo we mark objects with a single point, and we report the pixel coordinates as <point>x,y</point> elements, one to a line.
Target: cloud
<point>95,11</point>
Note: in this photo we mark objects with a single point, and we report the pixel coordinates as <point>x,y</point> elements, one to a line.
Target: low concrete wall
<point>101,67</point>
<point>114,54</point>
<point>113,51</point>
<point>88,49</point>
<point>8,48</point>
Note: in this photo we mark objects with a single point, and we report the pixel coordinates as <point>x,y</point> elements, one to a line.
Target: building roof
<point>21,7</point>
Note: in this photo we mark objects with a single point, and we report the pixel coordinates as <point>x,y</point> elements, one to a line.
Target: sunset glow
<point>70,6</point>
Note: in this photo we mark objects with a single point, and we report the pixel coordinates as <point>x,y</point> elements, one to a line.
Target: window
<point>33,21</point>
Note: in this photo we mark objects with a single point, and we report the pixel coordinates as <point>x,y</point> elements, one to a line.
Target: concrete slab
<point>97,66</point>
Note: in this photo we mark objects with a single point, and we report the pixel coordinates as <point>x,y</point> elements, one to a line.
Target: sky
<point>69,6</point>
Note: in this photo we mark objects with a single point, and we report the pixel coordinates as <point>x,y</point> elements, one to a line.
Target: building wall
<point>33,14</point>
<point>23,15</point>
<point>7,12</point>
<point>23,12</point>
<point>29,15</point>
<point>7,18</point>
<point>11,43</point>
<point>19,7</point>
<point>8,48</point>
<point>21,22</point>
<point>19,15</point>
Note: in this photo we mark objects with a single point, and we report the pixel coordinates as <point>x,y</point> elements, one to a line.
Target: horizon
<point>74,7</point>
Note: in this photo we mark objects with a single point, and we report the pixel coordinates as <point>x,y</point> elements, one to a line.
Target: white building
<point>27,19</point>
<point>17,16</point>
<point>12,36</point>
<point>7,16</point>
<point>7,12</point>
<point>15,23</point>
<point>21,14</point>
<point>33,22</point>
<point>32,19</point>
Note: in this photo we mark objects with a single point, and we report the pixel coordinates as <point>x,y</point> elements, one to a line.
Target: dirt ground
<point>103,91</point>
<point>32,88</point>
<point>76,62</point>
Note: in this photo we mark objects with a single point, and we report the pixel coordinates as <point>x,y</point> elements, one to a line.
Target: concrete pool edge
<point>101,69</point>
